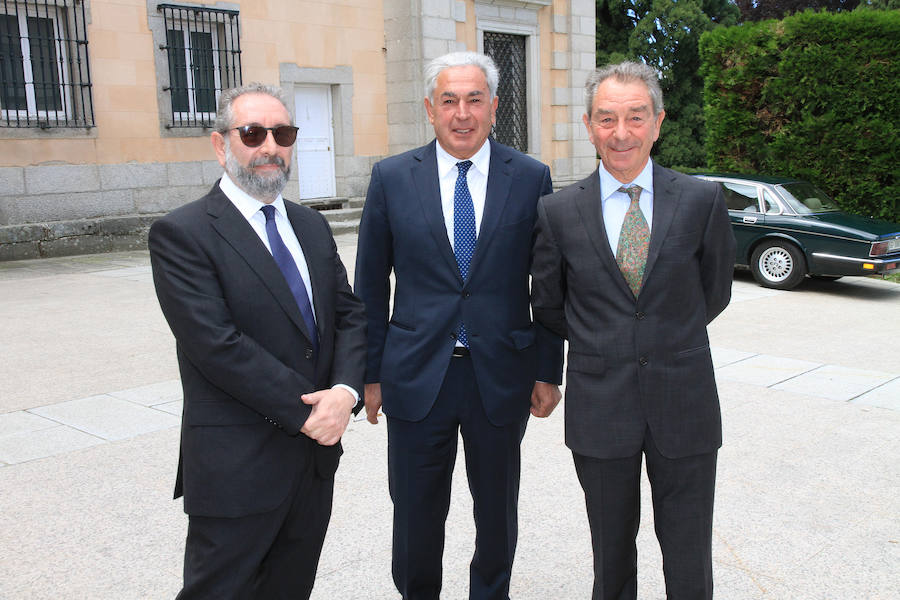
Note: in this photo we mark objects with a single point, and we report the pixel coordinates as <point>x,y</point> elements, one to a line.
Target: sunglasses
<point>255,135</point>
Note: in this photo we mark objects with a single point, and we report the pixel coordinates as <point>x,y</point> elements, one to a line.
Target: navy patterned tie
<point>291,273</point>
<point>634,241</point>
<point>463,230</point>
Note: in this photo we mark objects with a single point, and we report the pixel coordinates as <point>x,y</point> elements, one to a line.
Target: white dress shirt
<point>615,203</point>
<point>476,178</point>
<point>251,209</point>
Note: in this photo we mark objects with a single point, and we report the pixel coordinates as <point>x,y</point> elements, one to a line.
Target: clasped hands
<point>329,416</point>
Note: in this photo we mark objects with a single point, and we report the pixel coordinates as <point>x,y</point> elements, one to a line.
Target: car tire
<point>778,264</point>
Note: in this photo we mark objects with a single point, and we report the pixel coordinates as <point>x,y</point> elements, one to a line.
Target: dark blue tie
<point>463,230</point>
<point>291,273</point>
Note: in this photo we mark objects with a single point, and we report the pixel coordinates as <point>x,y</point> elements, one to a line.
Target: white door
<point>315,142</point>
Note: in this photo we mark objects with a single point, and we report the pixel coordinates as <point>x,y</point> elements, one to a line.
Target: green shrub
<point>815,96</point>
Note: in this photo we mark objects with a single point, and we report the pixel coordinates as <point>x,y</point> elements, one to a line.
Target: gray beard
<point>261,187</point>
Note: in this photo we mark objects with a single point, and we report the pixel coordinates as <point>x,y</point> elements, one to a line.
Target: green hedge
<point>815,96</point>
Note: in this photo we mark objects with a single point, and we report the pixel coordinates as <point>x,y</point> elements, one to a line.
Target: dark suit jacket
<point>634,363</point>
<point>244,354</point>
<point>403,229</point>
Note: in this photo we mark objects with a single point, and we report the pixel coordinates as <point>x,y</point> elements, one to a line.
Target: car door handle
<point>750,220</point>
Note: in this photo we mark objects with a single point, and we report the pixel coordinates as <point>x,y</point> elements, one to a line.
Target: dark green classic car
<point>787,229</point>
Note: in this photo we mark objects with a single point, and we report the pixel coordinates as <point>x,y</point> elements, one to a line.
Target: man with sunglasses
<point>458,354</point>
<point>271,347</point>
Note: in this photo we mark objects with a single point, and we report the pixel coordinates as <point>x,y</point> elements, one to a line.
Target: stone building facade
<point>106,105</point>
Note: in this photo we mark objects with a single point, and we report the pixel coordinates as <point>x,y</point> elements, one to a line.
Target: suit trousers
<point>682,491</point>
<point>273,555</point>
<point>421,457</point>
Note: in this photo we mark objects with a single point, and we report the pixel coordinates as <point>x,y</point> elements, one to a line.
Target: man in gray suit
<point>630,265</point>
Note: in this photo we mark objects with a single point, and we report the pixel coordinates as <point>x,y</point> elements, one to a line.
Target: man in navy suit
<point>271,349</point>
<point>630,265</point>
<point>459,353</point>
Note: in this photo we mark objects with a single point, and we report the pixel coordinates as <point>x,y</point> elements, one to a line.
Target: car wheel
<point>778,264</point>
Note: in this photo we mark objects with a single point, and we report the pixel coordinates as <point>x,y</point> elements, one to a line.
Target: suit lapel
<point>499,183</point>
<point>428,192</point>
<point>665,201</point>
<point>233,227</point>
<point>590,208</point>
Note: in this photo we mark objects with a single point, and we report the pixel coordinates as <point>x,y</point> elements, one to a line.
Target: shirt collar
<point>246,204</point>
<point>610,185</point>
<point>481,160</point>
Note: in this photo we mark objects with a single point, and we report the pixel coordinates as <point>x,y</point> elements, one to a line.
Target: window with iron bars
<point>508,52</point>
<point>203,51</point>
<point>45,78</point>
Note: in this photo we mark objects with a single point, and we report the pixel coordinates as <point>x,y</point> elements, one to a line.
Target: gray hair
<point>625,72</point>
<point>461,59</point>
<point>224,114</point>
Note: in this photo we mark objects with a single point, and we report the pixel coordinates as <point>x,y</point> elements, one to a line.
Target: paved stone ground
<point>808,496</point>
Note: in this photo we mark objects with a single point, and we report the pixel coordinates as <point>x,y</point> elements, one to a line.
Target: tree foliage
<point>665,35</point>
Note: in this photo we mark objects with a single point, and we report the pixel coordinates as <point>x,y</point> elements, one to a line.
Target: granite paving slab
<point>765,370</point>
<point>107,417</point>
<point>20,421</point>
<point>32,445</point>
<point>884,396</point>
<point>726,356</point>
<point>153,394</point>
<point>835,382</point>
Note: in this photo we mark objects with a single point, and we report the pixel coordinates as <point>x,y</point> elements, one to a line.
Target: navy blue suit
<point>426,392</point>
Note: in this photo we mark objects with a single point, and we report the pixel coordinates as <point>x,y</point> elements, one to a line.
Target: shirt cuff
<point>353,392</point>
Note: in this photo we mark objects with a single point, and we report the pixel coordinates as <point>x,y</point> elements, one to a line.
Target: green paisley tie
<point>634,241</point>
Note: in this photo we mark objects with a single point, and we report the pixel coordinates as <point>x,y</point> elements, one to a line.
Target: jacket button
<point>308,353</point>
<point>643,361</point>
<point>466,294</point>
<point>639,316</point>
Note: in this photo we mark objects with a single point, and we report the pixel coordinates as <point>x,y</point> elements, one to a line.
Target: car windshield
<point>805,198</point>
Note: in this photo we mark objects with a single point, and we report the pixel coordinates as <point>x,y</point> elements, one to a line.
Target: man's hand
<point>544,398</point>
<point>372,397</point>
<point>330,414</point>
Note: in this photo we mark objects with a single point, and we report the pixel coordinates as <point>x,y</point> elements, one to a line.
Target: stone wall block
<point>212,171</point>
<point>404,112</point>
<point>63,229</point>
<point>526,15</point>
<point>132,175</point>
<point>185,173</point>
<point>71,246</point>
<point>21,233</point>
<point>433,48</point>
<point>121,225</point>
<point>53,178</point>
<point>436,8</point>
<point>12,181</point>
<point>162,200</point>
<point>459,11</point>
<point>20,251</point>
<point>583,8</point>
<point>582,43</point>
<point>56,207</point>
<point>125,243</point>
<point>442,29</point>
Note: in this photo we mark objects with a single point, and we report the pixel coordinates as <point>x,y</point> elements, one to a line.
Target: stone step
<point>342,214</point>
<point>325,203</point>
